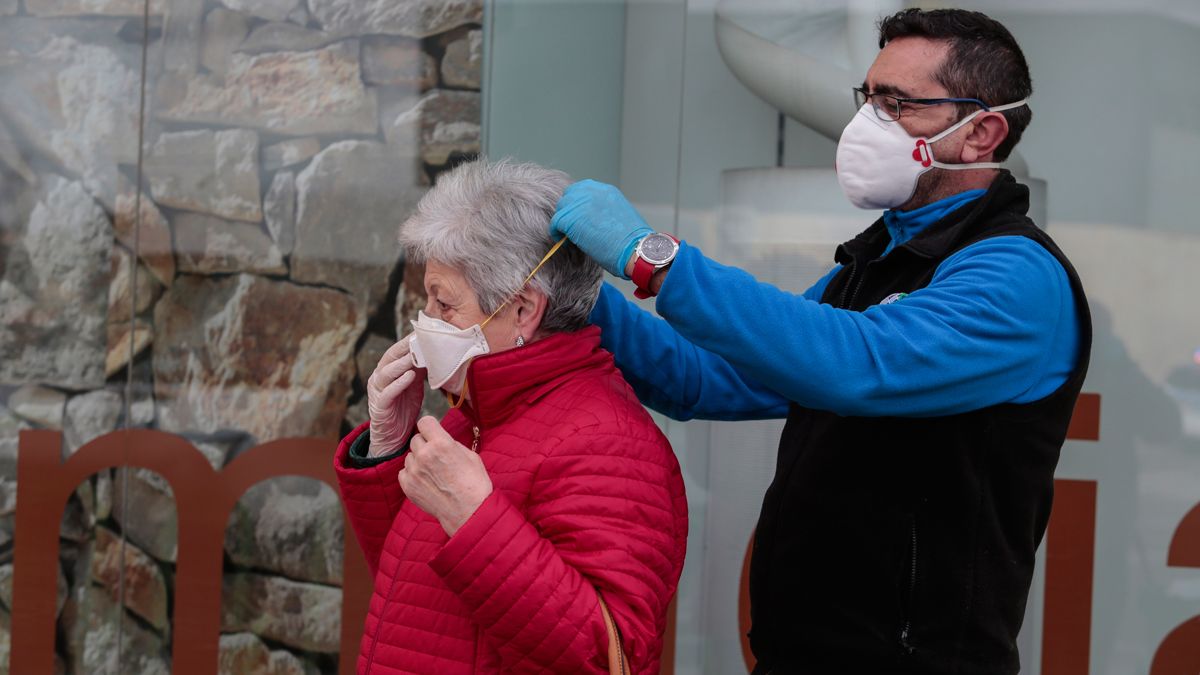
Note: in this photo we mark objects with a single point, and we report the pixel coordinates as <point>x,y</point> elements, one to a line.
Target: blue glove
<point>598,219</point>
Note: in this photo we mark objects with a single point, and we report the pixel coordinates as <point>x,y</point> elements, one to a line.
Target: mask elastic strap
<point>963,167</point>
<point>543,261</point>
<point>466,383</point>
<point>958,125</point>
<point>455,405</point>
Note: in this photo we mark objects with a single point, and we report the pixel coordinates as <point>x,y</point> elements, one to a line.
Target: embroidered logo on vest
<point>893,298</point>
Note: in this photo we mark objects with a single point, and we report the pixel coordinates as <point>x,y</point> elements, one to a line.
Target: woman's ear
<point>530,306</point>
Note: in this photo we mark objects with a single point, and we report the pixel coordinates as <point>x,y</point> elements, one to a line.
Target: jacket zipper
<point>392,586</point>
<point>912,587</point>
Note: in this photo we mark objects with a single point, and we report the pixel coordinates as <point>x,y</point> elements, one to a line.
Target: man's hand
<point>443,477</point>
<point>394,394</point>
<point>599,220</point>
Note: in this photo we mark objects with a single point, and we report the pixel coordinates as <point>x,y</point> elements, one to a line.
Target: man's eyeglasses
<point>889,108</point>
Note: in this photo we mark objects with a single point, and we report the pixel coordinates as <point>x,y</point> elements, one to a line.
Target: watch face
<point>658,249</point>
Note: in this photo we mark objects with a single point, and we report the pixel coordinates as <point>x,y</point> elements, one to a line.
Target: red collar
<point>500,384</point>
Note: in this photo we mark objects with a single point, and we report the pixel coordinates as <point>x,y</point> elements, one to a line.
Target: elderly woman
<point>503,537</point>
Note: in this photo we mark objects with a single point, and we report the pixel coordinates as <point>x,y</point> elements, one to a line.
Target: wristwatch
<point>654,252</point>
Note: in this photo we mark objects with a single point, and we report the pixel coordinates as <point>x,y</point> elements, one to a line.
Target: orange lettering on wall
<point>1185,543</point>
<point>1179,653</point>
<point>1085,421</point>
<point>744,607</point>
<point>204,499</point>
<point>1071,558</point>
<point>1070,562</point>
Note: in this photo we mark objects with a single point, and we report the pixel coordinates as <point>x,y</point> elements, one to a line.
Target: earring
<point>520,340</point>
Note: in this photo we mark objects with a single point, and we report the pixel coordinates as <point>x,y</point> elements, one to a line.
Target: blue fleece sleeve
<point>672,375</point>
<point>996,324</point>
<point>817,290</point>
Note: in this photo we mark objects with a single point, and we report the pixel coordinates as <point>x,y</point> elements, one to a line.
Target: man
<point>928,379</point>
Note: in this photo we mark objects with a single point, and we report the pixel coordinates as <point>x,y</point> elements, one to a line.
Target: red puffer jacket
<point>587,495</point>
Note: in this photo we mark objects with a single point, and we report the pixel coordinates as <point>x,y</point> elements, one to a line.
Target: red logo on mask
<point>922,154</point>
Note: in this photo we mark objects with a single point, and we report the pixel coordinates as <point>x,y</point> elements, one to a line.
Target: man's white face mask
<point>879,164</point>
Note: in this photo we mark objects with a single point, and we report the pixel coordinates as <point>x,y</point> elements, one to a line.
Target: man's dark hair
<point>984,62</point>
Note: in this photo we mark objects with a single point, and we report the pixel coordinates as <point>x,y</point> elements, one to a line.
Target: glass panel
<point>706,153</point>
<point>69,75</point>
<point>234,280</point>
<point>613,113</point>
<point>1124,217</point>
<point>232,284</point>
<point>285,143</point>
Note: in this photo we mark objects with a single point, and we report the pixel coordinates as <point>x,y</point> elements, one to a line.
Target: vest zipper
<point>475,443</point>
<point>856,281</point>
<point>912,587</point>
<point>850,282</point>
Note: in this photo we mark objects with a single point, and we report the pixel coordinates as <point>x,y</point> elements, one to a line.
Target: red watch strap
<point>643,274</point>
<point>643,271</point>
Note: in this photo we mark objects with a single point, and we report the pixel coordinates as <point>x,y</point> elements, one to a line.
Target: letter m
<point>204,499</point>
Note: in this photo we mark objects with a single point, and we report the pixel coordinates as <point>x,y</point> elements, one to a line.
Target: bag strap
<point>616,655</point>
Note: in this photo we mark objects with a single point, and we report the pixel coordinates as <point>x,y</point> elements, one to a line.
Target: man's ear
<point>987,133</point>
<point>530,305</point>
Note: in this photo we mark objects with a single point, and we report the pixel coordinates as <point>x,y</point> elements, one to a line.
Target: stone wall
<point>239,290</point>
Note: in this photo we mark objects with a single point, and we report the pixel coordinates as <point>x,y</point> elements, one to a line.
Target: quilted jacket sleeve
<point>371,494</point>
<point>604,514</point>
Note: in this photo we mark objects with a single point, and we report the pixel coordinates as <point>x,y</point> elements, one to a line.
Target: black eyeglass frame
<point>866,96</point>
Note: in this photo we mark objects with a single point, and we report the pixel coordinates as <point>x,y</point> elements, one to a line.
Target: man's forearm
<point>671,375</point>
<point>903,359</point>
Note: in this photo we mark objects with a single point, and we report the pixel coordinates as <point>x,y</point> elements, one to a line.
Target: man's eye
<point>442,306</point>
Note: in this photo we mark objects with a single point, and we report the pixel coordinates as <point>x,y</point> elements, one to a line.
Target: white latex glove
<point>394,395</point>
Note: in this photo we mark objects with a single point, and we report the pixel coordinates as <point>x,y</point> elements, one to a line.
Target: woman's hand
<point>394,395</point>
<point>443,477</point>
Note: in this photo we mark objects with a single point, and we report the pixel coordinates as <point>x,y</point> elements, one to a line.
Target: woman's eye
<point>442,306</point>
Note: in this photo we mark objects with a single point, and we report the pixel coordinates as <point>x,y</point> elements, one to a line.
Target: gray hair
<point>491,221</point>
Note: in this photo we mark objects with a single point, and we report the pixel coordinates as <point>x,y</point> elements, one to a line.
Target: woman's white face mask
<point>444,350</point>
<point>879,164</point>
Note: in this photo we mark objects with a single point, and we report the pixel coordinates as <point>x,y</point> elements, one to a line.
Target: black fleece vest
<point>906,545</point>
